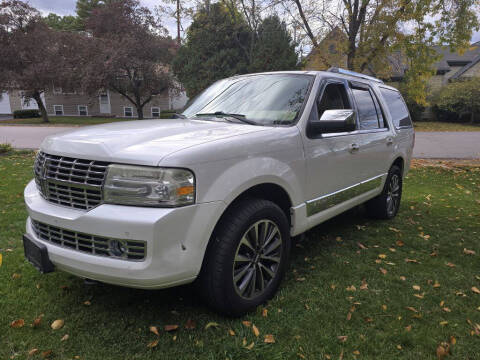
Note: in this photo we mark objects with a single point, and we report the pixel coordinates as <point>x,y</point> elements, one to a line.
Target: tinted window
<point>367,112</point>
<point>334,97</point>
<point>265,99</point>
<point>396,106</point>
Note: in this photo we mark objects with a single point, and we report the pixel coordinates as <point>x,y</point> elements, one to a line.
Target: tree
<point>216,47</point>
<point>460,97</point>
<point>34,57</point>
<point>274,49</point>
<point>63,23</point>
<point>128,53</point>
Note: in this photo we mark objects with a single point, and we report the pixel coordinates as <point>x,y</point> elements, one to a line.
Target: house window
<point>128,111</point>
<point>155,112</point>
<point>82,110</point>
<point>58,109</point>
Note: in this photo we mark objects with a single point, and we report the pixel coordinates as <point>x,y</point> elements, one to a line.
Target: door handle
<point>354,148</point>
<point>389,141</point>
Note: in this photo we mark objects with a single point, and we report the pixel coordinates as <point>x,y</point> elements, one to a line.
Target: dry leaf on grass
<point>265,312</point>
<point>247,323</point>
<point>383,271</point>
<point>154,330</point>
<point>17,323</point>
<point>361,246</point>
<point>412,309</point>
<point>382,256</point>
<point>36,323</point>
<point>46,354</point>
<point>351,288</point>
<point>449,264</point>
<point>342,338</point>
<point>468,252</point>
<point>475,290</point>
<point>416,287</point>
<point>33,352</point>
<point>443,350</point>
<point>408,328</point>
<point>231,332</point>
<point>250,347</point>
<point>211,324</point>
<point>190,324</point>
<point>153,343</point>
<point>269,339</point>
<point>364,285</point>
<point>170,327</point>
<point>255,330</point>
<point>65,337</point>
<point>414,261</point>
<point>57,324</point>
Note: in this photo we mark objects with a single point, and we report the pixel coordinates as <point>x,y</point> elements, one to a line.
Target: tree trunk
<point>37,97</point>
<point>178,22</point>
<point>139,112</point>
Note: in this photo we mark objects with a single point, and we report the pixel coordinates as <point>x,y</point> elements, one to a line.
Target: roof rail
<point>353,73</point>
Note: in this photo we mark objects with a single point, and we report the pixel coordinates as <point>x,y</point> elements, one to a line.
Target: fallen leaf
<point>211,324</point>
<point>264,312</point>
<point>356,352</point>
<point>255,330</point>
<point>449,264</point>
<point>170,327</point>
<point>443,323</point>
<point>468,252</point>
<point>459,293</point>
<point>190,324</point>
<point>453,341</point>
<point>300,279</point>
<point>416,287</point>
<point>442,350</point>
<point>393,229</point>
<point>16,276</point>
<point>33,352</point>
<point>399,243</point>
<point>37,321</point>
<point>382,256</point>
<point>412,309</point>
<point>154,330</point>
<point>17,323</point>
<point>153,343</point>
<point>269,339</point>
<point>57,324</point>
<point>342,338</point>
<point>87,303</point>
<point>408,328</point>
<point>446,309</point>
<point>412,261</point>
<point>420,296</point>
<point>349,316</point>
<point>364,285</point>
<point>65,337</point>
<point>47,354</point>
<point>231,332</point>
<point>384,307</point>
<point>403,278</point>
<point>351,288</point>
<point>475,290</point>
<point>250,347</point>
<point>436,284</point>
<point>399,347</point>
<point>368,320</point>
<point>246,323</point>
<point>361,246</point>
<point>383,271</point>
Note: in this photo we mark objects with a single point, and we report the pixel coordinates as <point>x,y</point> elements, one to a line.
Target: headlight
<point>149,186</point>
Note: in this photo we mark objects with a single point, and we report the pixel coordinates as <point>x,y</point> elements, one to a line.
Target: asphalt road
<point>441,145</point>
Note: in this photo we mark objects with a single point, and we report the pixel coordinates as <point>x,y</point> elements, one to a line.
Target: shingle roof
<point>449,58</point>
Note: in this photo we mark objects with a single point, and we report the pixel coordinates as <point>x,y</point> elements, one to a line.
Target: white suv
<point>216,195</point>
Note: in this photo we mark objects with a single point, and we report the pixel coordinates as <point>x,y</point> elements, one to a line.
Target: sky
<point>67,7</point>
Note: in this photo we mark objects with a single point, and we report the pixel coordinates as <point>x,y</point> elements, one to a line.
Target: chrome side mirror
<point>333,121</point>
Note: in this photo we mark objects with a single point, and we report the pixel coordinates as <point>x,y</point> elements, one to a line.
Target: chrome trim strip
<point>355,132</point>
<point>327,201</point>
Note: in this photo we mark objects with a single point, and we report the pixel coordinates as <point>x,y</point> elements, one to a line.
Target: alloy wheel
<point>257,259</point>
<point>393,194</point>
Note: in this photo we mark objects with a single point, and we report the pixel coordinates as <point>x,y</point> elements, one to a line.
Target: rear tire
<point>246,258</point>
<point>386,205</point>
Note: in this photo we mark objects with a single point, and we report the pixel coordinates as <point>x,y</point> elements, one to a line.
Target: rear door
<point>374,137</point>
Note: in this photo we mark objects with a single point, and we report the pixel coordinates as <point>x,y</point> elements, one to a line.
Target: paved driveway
<point>444,145</point>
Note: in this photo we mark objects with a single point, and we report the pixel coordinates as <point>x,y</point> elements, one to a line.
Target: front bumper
<point>176,239</point>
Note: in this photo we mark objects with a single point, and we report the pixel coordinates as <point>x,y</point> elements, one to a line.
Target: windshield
<point>265,99</point>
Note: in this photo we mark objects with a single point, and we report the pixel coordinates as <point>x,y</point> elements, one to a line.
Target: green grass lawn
<point>69,120</point>
<point>444,126</point>
<point>356,288</point>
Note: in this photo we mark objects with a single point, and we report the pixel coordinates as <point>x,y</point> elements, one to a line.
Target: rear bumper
<point>176,240</point>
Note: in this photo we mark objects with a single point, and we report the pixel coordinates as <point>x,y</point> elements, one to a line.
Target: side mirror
<point>333,121</point>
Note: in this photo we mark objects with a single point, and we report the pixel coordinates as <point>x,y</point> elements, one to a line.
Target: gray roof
<point>449,58</point>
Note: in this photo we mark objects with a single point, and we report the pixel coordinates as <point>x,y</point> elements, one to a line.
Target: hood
<point>142,142</point>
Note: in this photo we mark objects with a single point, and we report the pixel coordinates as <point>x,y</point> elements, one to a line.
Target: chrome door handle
<point>354,148</point>
<point>389,141</point>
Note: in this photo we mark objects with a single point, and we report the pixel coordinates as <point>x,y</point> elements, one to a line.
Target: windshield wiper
<point>240,117</point>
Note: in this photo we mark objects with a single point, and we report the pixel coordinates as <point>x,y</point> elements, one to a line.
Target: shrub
<point>25,114</point>
<point>5,148</point>
<point>459,98</point>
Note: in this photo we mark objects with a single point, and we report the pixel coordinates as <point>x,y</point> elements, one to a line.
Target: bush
<point>25,114</point>
<point>5,148</point>
<point>168,114</point>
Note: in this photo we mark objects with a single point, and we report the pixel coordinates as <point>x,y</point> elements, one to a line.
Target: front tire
<point>247,257</point>
<point>386,205</point>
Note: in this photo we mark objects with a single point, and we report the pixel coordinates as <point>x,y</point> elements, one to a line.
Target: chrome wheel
<point>393,194</point>
<point>257,259</point>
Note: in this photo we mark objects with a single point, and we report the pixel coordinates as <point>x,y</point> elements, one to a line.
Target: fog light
<point>117,248</point>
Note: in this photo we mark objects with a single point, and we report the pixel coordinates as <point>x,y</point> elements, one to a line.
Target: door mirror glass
<point>334,121</point>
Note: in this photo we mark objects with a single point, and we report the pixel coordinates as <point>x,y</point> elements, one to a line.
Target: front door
<point>104,99</point>
<point>333,168</point>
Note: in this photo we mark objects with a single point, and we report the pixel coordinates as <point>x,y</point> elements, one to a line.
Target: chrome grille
<point>91,244</point>
<point>69,181</point>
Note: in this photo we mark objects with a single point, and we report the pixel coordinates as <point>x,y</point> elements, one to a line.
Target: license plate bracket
<point>37,255</point>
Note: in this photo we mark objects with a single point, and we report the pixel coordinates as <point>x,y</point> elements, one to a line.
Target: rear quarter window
<point>397,107</point>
